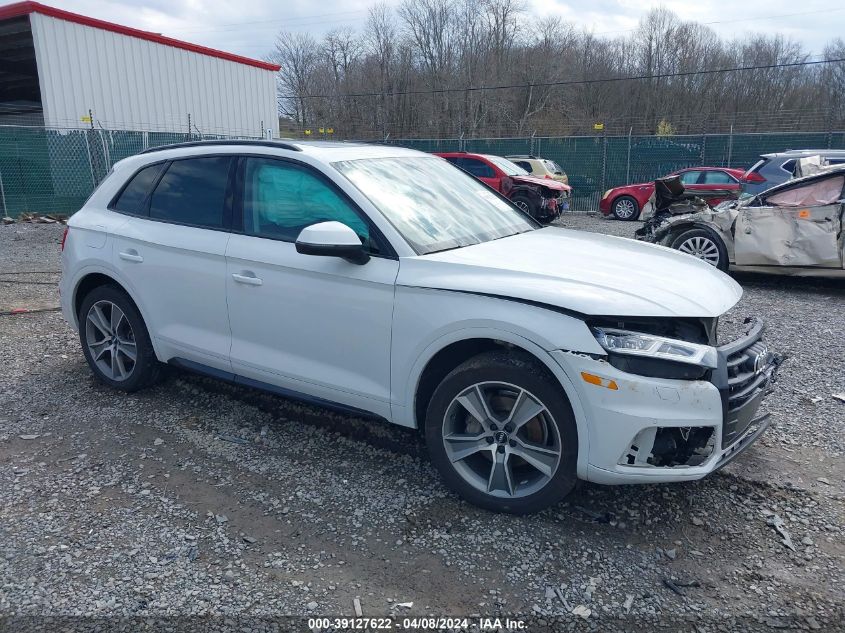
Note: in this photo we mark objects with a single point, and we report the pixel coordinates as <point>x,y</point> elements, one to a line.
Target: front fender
<point>544,356</point>
<point>426,321</point>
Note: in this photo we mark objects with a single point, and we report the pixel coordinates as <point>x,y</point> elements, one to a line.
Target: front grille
<point>744,377</point>
<point>745,370</point>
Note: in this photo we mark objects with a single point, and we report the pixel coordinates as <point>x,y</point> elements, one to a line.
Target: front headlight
<point>652,346</point>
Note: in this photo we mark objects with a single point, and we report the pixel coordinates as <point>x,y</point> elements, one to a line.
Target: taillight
<point>507,185</point>
<point>547,176</point>
<point>752,176</point>
<point>64,237</point>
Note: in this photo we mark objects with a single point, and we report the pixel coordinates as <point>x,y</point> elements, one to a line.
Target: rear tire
<point>625,208</point>
<point>502,433</point>
<point>705,245</point>
<point>115,340</point>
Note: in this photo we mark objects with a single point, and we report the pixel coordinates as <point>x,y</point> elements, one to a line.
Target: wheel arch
<point>95,278</point>
<point>675,230</point>
<point>442,356</point>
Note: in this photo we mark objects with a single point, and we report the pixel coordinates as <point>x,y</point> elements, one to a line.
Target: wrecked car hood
<point>542,182</point>
<point>584,272</point>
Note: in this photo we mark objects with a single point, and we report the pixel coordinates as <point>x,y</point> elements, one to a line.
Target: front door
<point>481,170</point>
<point>316,325</point>
<point>797,226</point>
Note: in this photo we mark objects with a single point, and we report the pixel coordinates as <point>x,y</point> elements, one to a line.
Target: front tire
<point>625,208</point>
<point>527,205</point>
<point>502,434</point>
<point>115,340</point>
<point>704,245</point>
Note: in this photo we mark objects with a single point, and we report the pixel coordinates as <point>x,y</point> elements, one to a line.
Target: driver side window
<point>281,199</point>
<point>476,168</point>
<point>690,177</point>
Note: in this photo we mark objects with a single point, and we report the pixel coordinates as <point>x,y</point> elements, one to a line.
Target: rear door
<point>171,253</point>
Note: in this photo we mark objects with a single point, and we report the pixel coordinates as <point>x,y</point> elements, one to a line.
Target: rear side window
<point>524,164</point>
<point>134,194</point>
<point>193,191</point>
<point>789,165</point>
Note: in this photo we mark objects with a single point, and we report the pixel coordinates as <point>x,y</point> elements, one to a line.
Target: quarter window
<point>192,191</point>
<point>281,199</point>
<point>132,198</point>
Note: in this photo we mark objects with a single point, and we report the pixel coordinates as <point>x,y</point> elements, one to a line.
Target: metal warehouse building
<point>63,70</point>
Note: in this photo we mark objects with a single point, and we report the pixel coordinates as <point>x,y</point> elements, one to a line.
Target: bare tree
<point>438,67</point>
<point>296,53</point>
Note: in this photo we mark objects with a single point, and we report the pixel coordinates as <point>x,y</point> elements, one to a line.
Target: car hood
<point>543,182</point>
<point>635,185</point>
<point>587,273</point>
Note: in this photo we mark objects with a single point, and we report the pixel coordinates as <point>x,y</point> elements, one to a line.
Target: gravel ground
<point>198,498</point>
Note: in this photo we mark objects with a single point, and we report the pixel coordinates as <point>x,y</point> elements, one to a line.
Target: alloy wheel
<point>701,247</point>
<point>624,209</point>
<point>501,439</point>
<point>110,340</point>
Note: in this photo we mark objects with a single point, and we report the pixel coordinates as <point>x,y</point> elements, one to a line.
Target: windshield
<point>506,166</point>
<point>553,167</point>
<point>434,205</point>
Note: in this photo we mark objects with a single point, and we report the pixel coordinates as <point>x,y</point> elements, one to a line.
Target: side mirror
<point>332,239</point>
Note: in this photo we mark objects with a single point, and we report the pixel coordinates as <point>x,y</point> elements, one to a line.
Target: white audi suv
<point>389,283</point>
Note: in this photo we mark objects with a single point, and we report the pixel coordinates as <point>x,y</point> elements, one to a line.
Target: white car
<point>385,281</point>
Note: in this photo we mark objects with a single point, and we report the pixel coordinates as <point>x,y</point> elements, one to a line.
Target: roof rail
<point>261,142</point>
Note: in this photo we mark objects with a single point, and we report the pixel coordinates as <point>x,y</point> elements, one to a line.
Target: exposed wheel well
<point>445,361</point>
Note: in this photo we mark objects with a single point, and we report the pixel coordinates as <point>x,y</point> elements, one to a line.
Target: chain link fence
<point>52,171</point>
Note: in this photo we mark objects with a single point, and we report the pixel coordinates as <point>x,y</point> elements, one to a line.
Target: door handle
<point>249,279</point>
<point>131,256</point>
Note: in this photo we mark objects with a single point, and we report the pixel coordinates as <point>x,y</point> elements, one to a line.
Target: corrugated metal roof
<point>26,8</point>
<point>136,84</point>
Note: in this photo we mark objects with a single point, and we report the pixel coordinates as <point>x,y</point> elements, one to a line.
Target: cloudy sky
<point>249,27</point>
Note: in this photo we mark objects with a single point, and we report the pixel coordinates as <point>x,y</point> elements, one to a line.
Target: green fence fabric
<point>50,171</point>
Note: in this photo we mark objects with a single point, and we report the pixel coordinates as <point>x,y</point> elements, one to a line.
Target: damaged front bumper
<point>648,430</point>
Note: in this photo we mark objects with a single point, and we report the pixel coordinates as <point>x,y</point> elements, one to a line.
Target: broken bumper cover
<point>651,430</point>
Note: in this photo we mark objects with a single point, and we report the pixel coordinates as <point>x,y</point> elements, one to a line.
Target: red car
<point>542,198</point>
<point>714,184</point>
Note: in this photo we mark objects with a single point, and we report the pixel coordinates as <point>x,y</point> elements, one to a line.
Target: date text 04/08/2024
<point>418,624</point>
